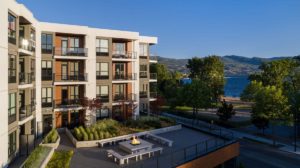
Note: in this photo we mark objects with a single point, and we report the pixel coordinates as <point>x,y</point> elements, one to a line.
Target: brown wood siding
<point>214,159</point>
<point>58,119</point>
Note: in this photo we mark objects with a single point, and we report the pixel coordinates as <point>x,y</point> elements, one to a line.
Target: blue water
<point>235,85</point>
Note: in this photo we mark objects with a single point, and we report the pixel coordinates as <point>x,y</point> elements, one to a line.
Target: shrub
<point>96,136</point>
<point>88,130</point>
<point>91,136</point>
<point>36,157</point>
<point>106,135</point>
<point>101,135</point>
<point>85,136</point>
<point>78,134</point>
<point>60,159</point>
<point>51,137</point>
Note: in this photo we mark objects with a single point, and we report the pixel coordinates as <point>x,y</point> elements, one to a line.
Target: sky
<point>187,28</point>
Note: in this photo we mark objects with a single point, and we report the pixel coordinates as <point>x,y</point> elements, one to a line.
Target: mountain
<point>234,65</point>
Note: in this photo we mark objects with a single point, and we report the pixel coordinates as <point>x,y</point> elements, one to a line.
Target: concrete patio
<point>97,157</point>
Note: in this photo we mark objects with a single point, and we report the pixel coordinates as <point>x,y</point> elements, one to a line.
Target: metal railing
<point>103,98</point>
<point>100,53</point>
<point>143,94</point>
<point>124,54</point>
<point>124,97</point>
<point>47,76</point>
<point>68,77</point>
<point>46,103</point>
<point>65,103</point>
<point>101,77</point>
<point>130,76</point>
<point>143,74</point>
<point>25,78</point>
<point>153,95</point>
<point>27,44</point>
<point>72,51</point>
<point>47,48</point>
<point>26,111</point>
<point>153,76</point>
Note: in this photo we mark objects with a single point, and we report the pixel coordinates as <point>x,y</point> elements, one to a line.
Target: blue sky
<point>187,28</point>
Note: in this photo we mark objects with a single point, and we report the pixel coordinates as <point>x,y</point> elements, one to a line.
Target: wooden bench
<point>125,159</point>
<point>160,139</point>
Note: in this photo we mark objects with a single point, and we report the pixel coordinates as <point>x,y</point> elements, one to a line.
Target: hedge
<point>37,157</point>
<point>51,137</point>
<point>60,159</point>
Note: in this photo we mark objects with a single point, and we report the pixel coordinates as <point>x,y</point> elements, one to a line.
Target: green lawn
<point>60,159</point>
<point>36,157</point>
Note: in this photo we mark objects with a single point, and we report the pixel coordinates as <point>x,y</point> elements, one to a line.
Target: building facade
<point>53,67</point>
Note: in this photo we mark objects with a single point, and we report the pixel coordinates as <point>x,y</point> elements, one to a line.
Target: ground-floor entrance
<point>70,118</point>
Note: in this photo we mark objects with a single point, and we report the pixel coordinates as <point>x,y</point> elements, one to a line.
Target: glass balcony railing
<point>124,54</point>
<point>26,111</point>
<point>27,44</point>
<point>72,51</point>
<point>25,78</point>
<point>131,76</point>
<point>67,103</point>
<point>124,97</point>
<point>70,78</point>
<point>103,98</point>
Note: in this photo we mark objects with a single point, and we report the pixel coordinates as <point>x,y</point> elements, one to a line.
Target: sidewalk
<point>237,134</point>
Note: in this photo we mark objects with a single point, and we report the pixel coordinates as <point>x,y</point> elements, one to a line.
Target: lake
<point>235,85</point>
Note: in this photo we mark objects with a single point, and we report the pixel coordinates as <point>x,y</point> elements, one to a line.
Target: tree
<point>272,104</point>
<point>226,111</point>
<point>211,70</point>
<point>260,121</point>
<point>250,91</point>
<point>197,95</point>
<point>90,105</point>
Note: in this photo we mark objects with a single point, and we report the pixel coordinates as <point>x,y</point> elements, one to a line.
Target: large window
<point>47,45</point>
<point>143,71</point>
<point>46,70</point>
<point>144,50</point>
<point>74,43</point>
<point>102,113</point>
<point>74,92</point>
<point>11,107</point>
<point>102,70</point>
<point>11,29</point>
<point>120,48</point>
<point>32,69</point>
<point>12,69</point>
<point>102,93</point>
<point>47,97</point>
<point>12,139</point>
<point>101,47</point>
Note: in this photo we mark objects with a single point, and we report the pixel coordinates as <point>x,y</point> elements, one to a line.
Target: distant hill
<point>234,65</point>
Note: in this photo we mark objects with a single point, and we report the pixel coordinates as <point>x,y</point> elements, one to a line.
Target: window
<point>11,107</point>
<point>143,71</point>
<point>74,43</point>
<point>12,143</point>
<point>102,70</point>
<point>11,29</point>
<point>119,92</point>
<point>74,92</point>
<point>101,47</point>
<point>12,69</point>
<point>119,48</point>
<point>47,97</point>
<point>102,93</point>
<point>47,43</point>
<point>143,50</point>
<point>32,68</point>
<point>74,70</point>
<point>102,113</point>
<point>46,70</point>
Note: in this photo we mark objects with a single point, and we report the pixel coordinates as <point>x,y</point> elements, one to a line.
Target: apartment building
<point>53,67</point>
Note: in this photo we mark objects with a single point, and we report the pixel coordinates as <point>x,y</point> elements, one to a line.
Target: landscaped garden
<point>37,157</point>
<point>109,128</point>
<point>60,159</point>
<point>51,137</point>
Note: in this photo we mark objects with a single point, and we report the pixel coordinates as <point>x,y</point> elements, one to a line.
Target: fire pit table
<point>130,148</point>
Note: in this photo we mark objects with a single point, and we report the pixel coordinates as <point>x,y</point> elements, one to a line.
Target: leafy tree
<point>91,105</point>
<point>260,121</point>
<point>272,104</point>
<point>226,111</point>
<point>250,91</point>
<point>197,95</point>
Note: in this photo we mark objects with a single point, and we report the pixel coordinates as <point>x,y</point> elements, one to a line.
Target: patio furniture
<point>128,147</point>
<point>125,159</point>
<point>160,139</point>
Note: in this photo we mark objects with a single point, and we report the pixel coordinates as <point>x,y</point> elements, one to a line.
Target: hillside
<point>234,65</point>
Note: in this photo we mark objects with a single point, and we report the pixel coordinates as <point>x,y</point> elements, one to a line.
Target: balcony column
<point>136,84</point>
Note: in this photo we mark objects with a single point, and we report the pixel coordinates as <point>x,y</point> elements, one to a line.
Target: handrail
<point>124,54</point>
<point>71,51</point>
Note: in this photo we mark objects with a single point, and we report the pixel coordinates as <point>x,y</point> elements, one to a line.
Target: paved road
<point>254,154</point>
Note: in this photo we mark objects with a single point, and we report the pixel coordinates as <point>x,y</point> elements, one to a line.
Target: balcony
<point>131,76</point>
<point>47,76</point>
<point>103,98</point>
<point>143,74</point>
<point>47,49</point>
<point>25,78</point>
<point>67,103</point>
<point>26,111</point>
<point>73,51</point>
<point>26,46</point>
<point>12,36</point>
<point>124,55</point>
<point>124,97</point>
<point>143,94</point>
<point>153,76</point>
<point>153,59</point>
<point>70,78</point>
<point>153,95</point>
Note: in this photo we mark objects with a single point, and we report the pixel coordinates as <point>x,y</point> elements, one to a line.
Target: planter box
<point>95,143</point>
<point>52,145</point>
<point>47,159</point>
